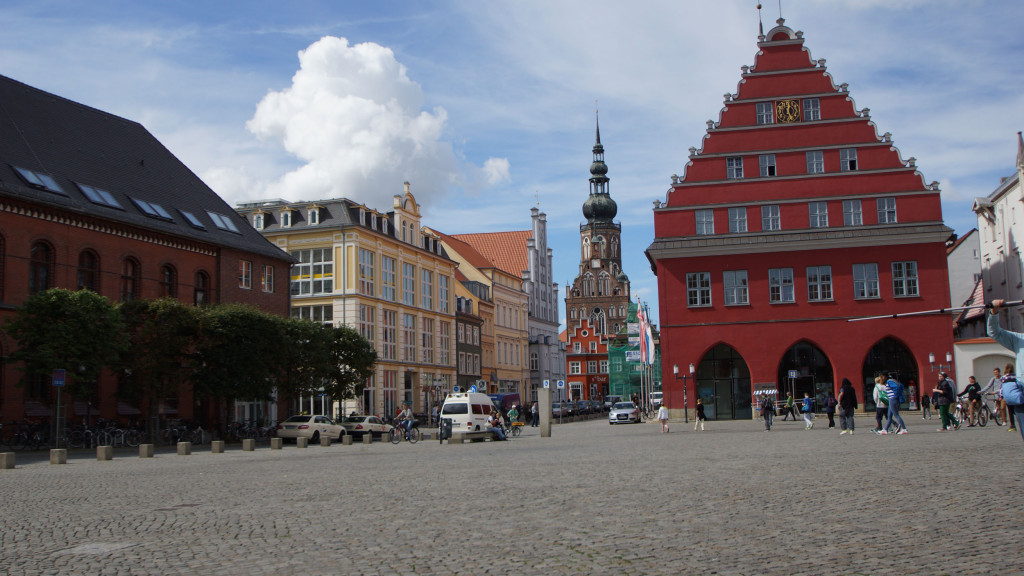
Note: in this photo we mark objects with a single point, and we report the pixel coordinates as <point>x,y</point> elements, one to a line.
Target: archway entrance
<point>804,368</point>
<point>723,384</point>
<point>889,355</point>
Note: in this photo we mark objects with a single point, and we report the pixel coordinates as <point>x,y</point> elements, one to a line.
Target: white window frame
<point>819,284</point>
<point>575,367</point>
<point>367,277</point>
<point>738,219</point>
<point>771,217</point>
<point>853,215</point>
<point>847,159</point>
<point>815,162</point>
<point>865,281</point>
<point>736,288</point>
<point>734,167</point>
<point>780,286</point>
<point>817,214</point>
<point>764,113</point>
<point>698,290</point>
<point>886,210</point>
<point>705,222</point>
<point>766,165</point>
<point>387,278</point>
<point>905,282</point>
<point>812,109</point>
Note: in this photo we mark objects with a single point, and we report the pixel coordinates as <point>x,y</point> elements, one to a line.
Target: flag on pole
<point>646,338</point>
<point>1020,151</point>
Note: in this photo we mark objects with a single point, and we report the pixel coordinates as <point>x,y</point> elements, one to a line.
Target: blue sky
<point>487,106</point>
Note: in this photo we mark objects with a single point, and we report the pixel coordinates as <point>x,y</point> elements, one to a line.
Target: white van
<point>469,411</point>
<point>655,399</point>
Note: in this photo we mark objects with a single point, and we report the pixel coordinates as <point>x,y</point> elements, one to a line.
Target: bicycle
<point>958,414</point>
<point>398,432</point>
<point>985,414</point>
<point>28,435</point>
<point>515,429</point>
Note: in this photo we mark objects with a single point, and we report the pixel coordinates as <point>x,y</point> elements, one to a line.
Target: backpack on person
<point>1013,393</point>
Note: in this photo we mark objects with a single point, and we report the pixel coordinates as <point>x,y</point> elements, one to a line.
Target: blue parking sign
<point>58,377</point>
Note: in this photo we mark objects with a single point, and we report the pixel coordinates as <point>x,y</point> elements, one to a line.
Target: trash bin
<point>446,429</point>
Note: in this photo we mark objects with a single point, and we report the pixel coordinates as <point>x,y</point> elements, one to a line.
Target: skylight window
<point>99,196</point>
<point>39,180</point>
<point>222,222</point>
<point>192,219</point>
<point>152,210</point>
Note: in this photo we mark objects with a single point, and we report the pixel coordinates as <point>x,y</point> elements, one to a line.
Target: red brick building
<point>91,200</point>
<point>586,359</point>
<point>794,217</point>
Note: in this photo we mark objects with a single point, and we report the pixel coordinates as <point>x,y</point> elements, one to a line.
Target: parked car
<point>597,407</point>
<point>583,407</point>
<point>559,409</point>
<point>310,426</point>
<point>655,400</point>
<point>609,401</point>
<point>623,412</point>
<point>359,425</point>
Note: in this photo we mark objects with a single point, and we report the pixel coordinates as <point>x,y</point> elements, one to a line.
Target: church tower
<point>596,303</point>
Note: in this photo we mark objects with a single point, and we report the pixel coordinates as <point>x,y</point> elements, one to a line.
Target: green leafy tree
<point>80,332</point>
<point>351,362</point>
<point>237,353</point>
<point>304,361</point>
<point>161,336</point>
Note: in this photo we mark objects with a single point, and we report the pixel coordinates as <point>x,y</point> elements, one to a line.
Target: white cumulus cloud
<point>355,121</point>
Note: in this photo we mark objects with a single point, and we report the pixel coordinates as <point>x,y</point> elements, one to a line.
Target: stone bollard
<point>346,440</point>
<point>367,438</point>
<point>145,450</point>
<point>6,460</point>
<point>301,442</point>
<point>184,448</point>
<point>276,443</point>
<point>248,445</point>
<point>325,441</point>
<point>58,456</point>
<point>217,447</point>
<point>104,453</point>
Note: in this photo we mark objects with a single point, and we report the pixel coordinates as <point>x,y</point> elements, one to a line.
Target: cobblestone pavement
<point>592,499</point>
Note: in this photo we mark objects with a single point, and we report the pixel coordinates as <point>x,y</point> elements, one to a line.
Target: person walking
<point>830,409</point>
<point>767,411</point>
<point>847,406</point>
<point>926,407</point>
<point>881,404</point>
<point>808,410</point>
<point>943,398</point>
<point>996,384</point>
<point>788,410</point>
<point>700,415</point>
<point>663,417</point>
<point>894,390</point>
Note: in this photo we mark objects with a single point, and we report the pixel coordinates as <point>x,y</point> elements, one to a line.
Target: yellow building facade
<point>379,273</point>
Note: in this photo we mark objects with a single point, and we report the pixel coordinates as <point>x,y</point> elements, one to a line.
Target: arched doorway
<point>723,384</point>
<point>804,368</point>
<point>889,355</point>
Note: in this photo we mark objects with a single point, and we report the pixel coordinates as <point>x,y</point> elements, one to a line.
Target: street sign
<point>58,377</point>
<point>456,389</point>
<point>561,384</point>
<point>472,388</point>
<point>547,383</point>
<point>794,373</point>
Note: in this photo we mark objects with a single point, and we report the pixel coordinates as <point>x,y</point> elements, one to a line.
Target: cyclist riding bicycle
<point>973,392</point>
<point>405,420</point>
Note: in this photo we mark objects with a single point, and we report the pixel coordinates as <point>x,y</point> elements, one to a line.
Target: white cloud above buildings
<point>356,122</point>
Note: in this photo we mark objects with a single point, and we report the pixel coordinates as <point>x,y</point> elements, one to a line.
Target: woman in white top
<point>663,416</point>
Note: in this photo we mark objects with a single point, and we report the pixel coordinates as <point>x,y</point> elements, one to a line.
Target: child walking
<point>700,415</point>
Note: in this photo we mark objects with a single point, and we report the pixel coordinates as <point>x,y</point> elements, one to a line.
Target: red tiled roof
<point>977,299</point>
<point>507,250</point>
<point>475,259</point>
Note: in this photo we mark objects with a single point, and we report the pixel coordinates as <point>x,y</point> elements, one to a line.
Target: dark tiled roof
<point>73,143</point>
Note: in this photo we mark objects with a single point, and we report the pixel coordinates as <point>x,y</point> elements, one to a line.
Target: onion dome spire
<point>599,206</point>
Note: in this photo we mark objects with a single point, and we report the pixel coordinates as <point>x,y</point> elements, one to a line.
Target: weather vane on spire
<point>536,196</point>
<point>760,23</point>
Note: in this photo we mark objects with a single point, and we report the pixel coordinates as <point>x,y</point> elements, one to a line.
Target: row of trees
<point>155,346</point>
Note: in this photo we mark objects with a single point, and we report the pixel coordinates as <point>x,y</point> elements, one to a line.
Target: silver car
<point>624,412</point>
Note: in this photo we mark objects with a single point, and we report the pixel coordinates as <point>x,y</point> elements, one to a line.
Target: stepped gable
<point>787,104</point>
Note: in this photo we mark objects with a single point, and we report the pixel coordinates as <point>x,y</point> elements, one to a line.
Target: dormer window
<point>258,221</point>
<point>373,221</point>
<point>40,180</point>
<point>314,216</point>
<point>286,219</point>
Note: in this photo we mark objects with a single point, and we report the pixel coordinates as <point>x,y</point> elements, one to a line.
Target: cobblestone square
<point>592,499</point>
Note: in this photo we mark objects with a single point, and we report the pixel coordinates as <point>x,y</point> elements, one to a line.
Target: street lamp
<point>686,404</point>
<point>941,367</point>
